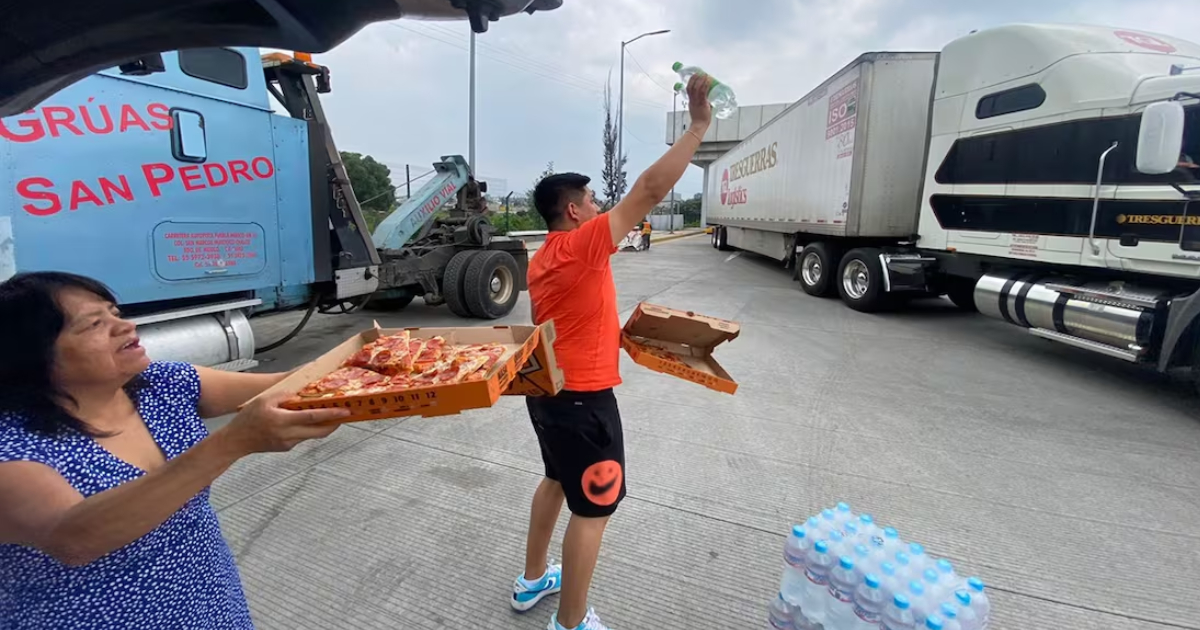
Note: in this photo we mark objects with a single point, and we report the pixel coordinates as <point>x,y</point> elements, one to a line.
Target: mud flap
<point>906,272</point>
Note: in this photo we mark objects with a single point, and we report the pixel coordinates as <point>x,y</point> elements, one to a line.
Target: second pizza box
<point>679,343</point>
<point>527,363</point>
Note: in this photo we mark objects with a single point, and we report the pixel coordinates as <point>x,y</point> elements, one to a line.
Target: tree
<point>530,219</point>
<point>613,175</point>
<point>372,183</point>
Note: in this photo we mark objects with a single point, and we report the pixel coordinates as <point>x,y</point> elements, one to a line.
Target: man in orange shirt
<point>579,430</point>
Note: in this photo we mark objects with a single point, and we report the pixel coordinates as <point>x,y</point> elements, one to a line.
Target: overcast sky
<point>400,88</point>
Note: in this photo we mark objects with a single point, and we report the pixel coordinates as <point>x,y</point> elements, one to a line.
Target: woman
<point>105,466</point>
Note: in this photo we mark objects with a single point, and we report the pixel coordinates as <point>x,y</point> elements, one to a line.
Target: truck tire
<point>452,282</point>
<point>712,237</point>
<point>860,281</point>
<point>961,291</point>
<point>490,284</point>
<point>815,267</point>
<point>722,239</point>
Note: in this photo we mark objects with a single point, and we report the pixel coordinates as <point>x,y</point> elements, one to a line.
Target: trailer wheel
<point>712,237</point>
<point>490,284</point>
<point>815,269</point>
<point>723,239</point>
<point>452,283</point>
<point>860,281</point>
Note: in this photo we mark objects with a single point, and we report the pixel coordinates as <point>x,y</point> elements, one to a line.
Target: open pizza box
<point>679,343</point>
<point>527,365</point>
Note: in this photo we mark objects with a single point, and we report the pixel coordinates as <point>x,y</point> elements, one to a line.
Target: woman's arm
<point>223,392</point>
<point>39,509</point>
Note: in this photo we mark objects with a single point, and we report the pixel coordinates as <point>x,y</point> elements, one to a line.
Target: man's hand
<point>657,181</point>
<point>698,105</point>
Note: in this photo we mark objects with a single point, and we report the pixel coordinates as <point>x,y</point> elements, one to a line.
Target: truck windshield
<point>1189,157</point>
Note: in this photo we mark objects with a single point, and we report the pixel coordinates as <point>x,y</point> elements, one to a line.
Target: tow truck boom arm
<point>395,231</point>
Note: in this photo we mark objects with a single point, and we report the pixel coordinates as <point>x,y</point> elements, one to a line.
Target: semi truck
<point>1043,175</point>
<point>204,186</point>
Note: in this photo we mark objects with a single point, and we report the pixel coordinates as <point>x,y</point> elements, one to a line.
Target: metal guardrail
<point>529,236</point>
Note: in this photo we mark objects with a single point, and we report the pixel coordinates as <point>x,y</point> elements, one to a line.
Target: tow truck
<point>170,178</point>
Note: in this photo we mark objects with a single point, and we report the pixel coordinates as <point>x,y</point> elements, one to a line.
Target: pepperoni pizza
<point>399,362</point>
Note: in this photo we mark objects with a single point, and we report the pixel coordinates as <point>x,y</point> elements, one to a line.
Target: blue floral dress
<point>180,575</point>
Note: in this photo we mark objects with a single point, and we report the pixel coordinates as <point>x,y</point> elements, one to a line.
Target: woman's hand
<point>263,426</point>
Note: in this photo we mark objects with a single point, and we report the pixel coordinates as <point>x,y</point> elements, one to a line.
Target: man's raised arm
<point>658,180</point>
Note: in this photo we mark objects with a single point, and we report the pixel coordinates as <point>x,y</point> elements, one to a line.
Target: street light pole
<point>471,98</point>
<point>621,97</point>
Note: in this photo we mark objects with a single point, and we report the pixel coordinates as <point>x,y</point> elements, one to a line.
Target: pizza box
<point>540,374</point>
<point>526,346</point>
<point>684,335</point>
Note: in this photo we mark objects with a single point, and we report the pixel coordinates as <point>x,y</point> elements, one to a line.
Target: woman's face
<point>96,346</point>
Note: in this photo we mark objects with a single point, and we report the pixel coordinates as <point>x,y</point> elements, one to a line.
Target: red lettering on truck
<point>156,175</point>
<point>43,200</point>
<point>56,121</point>
<point>25,189</point>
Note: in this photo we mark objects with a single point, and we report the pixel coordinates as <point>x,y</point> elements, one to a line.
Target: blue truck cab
<point>173,181</point>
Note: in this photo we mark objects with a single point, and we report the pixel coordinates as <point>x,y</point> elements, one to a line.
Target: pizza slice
<point>429,354</point>
<point>490,354</point>
<point>346,381</point>
<point>386,355</point>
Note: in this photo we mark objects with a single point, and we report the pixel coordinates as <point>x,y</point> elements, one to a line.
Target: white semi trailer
<point>1041,174</point>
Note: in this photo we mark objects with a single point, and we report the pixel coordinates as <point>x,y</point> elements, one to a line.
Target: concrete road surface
<point>1069,482</point>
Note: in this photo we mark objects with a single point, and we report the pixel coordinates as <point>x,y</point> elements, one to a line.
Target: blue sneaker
<point>591,621</point>
<point>526,594</point>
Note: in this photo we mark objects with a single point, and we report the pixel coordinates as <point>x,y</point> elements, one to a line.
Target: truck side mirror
<point>144,65</point>
<point>1160,139</point>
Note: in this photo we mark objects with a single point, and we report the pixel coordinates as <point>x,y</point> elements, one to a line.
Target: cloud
<point>400,89</point>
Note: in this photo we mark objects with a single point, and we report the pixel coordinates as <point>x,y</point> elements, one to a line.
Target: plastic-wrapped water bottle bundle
<point>842,571</point>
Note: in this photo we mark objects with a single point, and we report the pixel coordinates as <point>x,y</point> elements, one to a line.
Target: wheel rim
<point>501,285</point>
<point>856,279</point>
<point>811,269</point>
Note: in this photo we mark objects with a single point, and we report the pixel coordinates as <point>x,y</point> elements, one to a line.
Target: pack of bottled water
<point>842,571</point>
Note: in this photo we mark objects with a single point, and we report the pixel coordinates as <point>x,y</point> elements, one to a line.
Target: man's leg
<point>539,579</point>
<point>581,547</point>
<point>547,502</point>
<point>586,441</point>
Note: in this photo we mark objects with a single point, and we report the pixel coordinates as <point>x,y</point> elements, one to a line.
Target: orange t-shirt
<point>571,282</point>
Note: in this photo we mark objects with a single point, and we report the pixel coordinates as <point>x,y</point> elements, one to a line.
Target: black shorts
<point>583,448</point>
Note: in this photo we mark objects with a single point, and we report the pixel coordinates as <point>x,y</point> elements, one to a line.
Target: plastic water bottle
<point>839,609</point>
<point>817,565</point>
<point>843,514</point>
<point>898,616</point>
<point>871,535</point>
<point>920,604</point>
<point>868,603</point>
<point>934,622</point>
<point>966,614</point>
<point>920,559</point>
<point>931,579</point>
<point>889,582</point>
<point>979,600</point>
<point>837,543</point>
<point>950,581</point>
<point>850,529</point>
<point>891,542</point>
<point>949,615</point>
<point>904,568</point>
<point>793,584</point>
<point>724,103</point>
<point>863,563</point>
<point>780,613</point>
<point>829,522</point>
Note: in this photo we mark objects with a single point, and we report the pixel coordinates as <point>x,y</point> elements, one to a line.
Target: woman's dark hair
<point>33,320</point>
